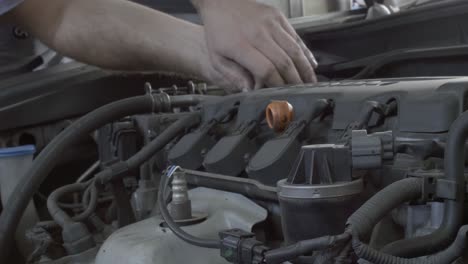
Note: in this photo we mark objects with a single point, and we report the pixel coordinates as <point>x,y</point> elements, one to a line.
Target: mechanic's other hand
<point>258,38</point>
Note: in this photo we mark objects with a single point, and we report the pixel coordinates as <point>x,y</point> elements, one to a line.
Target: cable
<point>303,247</point>
<point>119,169</point>
<point>46,160</point>
<point>200,242</point>
<point>79,205</point>
<point>60,216</point>
<point>343,257</point>
<point>247,187</point>
<point>103,199</point>
<point>163,139</point>
<point>83,177</point>
<point>446,256</point>
<point>90,206</point>
<point>363,220</point>
<point>453,212</point>
<point>361,223</point>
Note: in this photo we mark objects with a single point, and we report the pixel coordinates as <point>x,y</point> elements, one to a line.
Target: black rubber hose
<point>303,247</point>
<point>343,257</point>
<point>247,187</point>
<point>46,160</point>
<point>80,204</point>
<point>363,220</point>
<point>163,139</point>
<point>444,257</point>
<point>453,213</point>
<point>119,169</point>
<point>90,205</point>
<point>59,215</point>
<point>199,242</point>
<point>55,211</point>
<point>85,197</point>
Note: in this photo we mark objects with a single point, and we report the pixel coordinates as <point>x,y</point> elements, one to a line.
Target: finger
<point>289,28</point>
<point>309,55</point>
<point>259,66</point>
<point>235,78</point>
<point>295,52</point>
<point>220,80</point>
<point>282,62</point>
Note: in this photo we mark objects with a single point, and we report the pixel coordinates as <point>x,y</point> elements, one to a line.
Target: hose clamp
<point>161,103</point>
<point>149,92</point>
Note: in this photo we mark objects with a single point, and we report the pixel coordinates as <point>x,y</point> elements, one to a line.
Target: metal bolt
<point>203,152</point>
<point>247,157</point>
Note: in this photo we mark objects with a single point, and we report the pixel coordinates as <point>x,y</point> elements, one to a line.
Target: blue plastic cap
<point>17,151</point>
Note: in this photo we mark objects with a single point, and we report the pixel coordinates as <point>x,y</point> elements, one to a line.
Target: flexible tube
<point>343,257</point>
<point>90,205</point>
<point>80,204</point>
<point>248,187</point>
<point>163,139</point>
<point>55,211</point>
<point>46,160</point>
<point>453,213</point>
<point>60,216</point>
<point>135,161</point>
<point>200,242</point>
<point>363,220</point>
<point>444,257</point>
<point>83,177</point>
<point>303,247</point>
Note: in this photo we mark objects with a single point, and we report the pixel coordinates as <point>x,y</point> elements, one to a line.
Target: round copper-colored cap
<point>278,115</point>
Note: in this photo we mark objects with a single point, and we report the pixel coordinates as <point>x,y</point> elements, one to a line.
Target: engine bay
<point>326,173</point>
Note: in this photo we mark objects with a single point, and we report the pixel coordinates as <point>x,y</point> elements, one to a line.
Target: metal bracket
<point>435,187</point>
<point>446,189</point>
<point>428,192</point>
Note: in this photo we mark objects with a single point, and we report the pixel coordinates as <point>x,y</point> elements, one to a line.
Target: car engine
<point>365,166</point>
<point>325,173</point>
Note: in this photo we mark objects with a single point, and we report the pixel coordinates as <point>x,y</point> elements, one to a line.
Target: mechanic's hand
<point>258,38</point>
<point>227,75</point>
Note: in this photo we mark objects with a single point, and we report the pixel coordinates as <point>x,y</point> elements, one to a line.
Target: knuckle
<point>267,72</point>
<point>270,14</point>
<point>270,24</point>
<point>269,10</point>
<point>295,51</point>
<point>277,15</point>
<point>260,37</point>
<point>285,64</point>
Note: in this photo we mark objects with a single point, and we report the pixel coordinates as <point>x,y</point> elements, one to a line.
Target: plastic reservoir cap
<point>17,151</point>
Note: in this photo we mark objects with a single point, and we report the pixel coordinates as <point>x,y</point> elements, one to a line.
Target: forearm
<point>116,34</point>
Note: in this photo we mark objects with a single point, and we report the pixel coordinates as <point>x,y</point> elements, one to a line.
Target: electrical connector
<point>241,247</point>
